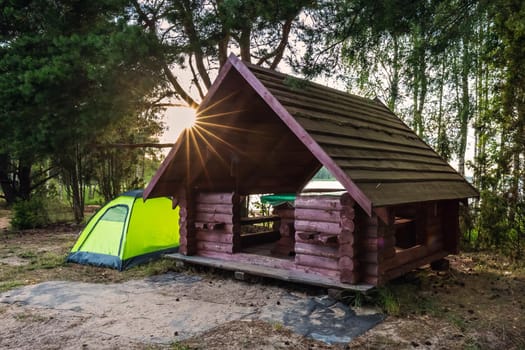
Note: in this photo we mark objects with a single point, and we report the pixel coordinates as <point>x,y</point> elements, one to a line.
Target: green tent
<point>128,231</point>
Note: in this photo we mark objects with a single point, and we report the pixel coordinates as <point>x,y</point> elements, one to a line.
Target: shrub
<point>30,213</point>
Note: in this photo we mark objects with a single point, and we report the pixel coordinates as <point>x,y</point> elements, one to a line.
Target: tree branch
<point>167,71</point>
<point>195,78</point>
<point>43,181</point>
<point>279,50</point>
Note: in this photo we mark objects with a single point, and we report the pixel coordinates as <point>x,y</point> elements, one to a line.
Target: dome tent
<point>128,231</point>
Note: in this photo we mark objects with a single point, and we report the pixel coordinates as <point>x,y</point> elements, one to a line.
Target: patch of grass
<point>156,267</point>
<point>8,285</point>
<point>179,346</point>
<point>30,317</point>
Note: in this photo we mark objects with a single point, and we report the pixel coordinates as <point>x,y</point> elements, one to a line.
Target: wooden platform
<point>271,272</point>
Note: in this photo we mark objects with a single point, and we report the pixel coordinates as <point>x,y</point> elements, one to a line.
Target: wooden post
<point>348,263</point>
<point>285,245</point>
<point>188,239</point>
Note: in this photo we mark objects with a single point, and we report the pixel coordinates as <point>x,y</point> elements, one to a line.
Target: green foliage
<point>29,214</point>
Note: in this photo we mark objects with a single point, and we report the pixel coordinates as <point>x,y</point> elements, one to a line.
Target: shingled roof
<point>299,126</point>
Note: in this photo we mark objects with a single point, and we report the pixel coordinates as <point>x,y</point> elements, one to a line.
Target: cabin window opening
<point>408,227</point>
<point>259,226</point>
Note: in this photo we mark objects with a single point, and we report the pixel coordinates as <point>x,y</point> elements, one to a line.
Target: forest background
<point>84,86</point>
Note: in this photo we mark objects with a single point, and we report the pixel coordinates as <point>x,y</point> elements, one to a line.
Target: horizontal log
<point>214,208</point>
<point>393,272</point>
<point>317,250</point>
<point>215,247</point>
<point>317,215</point>
<point>214,218</point>
<point>315,202</point>
<point>215,236</point>
<point>217,198</point>
<point>318,226</point>
<point>321,238</point>
<point>330,243</point>
<point>316,261</point>
<point>404,256</point>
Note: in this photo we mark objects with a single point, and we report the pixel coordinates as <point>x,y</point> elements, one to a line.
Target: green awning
<point>278,199</point>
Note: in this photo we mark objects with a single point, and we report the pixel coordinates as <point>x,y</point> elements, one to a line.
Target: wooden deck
<point>271,272</point>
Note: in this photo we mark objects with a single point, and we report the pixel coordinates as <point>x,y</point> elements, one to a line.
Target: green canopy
<point>278,199</point>
<point>128,231</point>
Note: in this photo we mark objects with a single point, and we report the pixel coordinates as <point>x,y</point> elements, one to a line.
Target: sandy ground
<point>161,310</point>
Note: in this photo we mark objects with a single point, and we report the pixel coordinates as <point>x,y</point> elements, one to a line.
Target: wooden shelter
<point>260,131</point>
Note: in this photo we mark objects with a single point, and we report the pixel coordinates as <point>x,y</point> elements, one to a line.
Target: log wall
<point>286,244</point>
<point>217,223</point>
<point>188,240</point>
<point>317,233</point>
<point>376,244</point>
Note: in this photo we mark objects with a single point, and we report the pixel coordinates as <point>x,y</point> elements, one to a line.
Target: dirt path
<point>166,308</point>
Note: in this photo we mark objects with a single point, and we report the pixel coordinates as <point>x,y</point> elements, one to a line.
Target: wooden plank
<point>290,275</point>
<point>317,250</point>
<point>317,261</point>
<point>391,165</point>
<point>333,128</point>
<point>214,247</point>
<point>318,226</point>
<point>404,256</point>
<point>216,198</point>
<point>314,91</point>
<point>215,236</point>
<point>340,141</point>
<point>364,176</point>
<point>316,215</point>
<point>394,272</point>
<point>412,192</point>
<point>317,107</point>
<point>214,218</point>
<point>214,208</point>
<point>317,202</point>
<point>347,154</point>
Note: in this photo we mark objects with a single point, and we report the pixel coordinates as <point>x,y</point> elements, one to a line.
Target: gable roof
<point>302,125</point>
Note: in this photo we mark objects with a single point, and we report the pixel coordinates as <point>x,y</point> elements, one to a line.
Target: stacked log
<point>348,263</point>
<point>285,245</point>
<point>377,243</point>
<point>317,230</point>
<point>187,241</point>
<point>217,223</point>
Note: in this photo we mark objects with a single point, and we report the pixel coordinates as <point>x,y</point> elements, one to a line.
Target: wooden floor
<point>270,272</point>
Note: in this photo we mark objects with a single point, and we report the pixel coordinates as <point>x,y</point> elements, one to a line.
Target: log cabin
<point>259,131</point>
